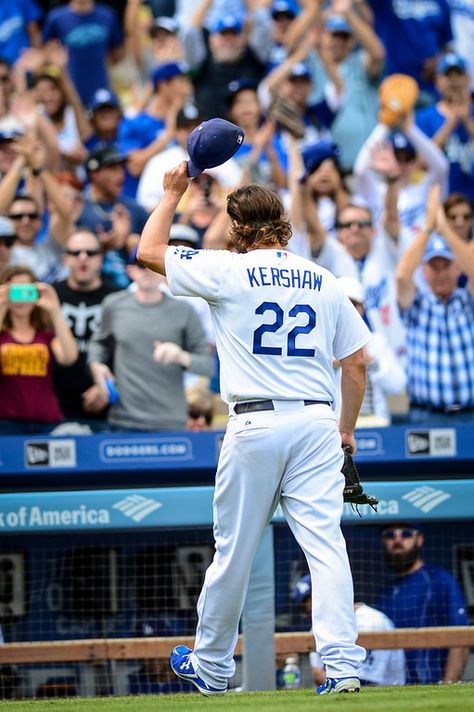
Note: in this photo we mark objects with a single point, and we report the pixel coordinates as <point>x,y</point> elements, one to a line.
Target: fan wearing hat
<point>385,372</point>
<point>394,172</point>
<point>233,48</point>
<point>438,319</point>
<point>317,193</point>
<point>259,153</point>
<point>117,219</point>
<point>143,136</point>
<point>450,122</point>
<point>105,114</point>
<point>381,667</point>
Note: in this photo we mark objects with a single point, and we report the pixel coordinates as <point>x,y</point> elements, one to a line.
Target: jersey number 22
<point>291,348</point>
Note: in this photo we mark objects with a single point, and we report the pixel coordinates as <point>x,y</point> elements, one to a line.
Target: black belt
<point>447,410</point>
<point>251,406</point>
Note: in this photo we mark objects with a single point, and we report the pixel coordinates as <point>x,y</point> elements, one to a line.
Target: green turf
<point>449,698</point>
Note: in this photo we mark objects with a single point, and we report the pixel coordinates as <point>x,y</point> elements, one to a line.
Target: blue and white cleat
<point>181,665</point>
<point>333,685</point>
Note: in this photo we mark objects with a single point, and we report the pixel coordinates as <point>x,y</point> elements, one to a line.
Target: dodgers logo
<point>187,253</point>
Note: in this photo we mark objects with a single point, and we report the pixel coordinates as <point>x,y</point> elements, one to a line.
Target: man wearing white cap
<point>439,321</point>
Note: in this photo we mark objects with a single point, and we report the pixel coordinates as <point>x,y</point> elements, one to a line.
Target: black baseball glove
<point>353,490</point>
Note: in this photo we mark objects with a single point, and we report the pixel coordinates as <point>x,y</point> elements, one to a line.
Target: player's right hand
<point>176,180</point>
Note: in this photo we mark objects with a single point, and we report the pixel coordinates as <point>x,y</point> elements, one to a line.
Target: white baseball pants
<point>291,455</point>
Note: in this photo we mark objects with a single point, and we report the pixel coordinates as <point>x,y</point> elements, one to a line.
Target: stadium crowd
<point>357,112</point>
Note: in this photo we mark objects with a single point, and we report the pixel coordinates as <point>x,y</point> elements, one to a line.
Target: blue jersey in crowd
<point>137,132</point>
<point>427,597</point>
<point>14,18</point>
<point>412,31</point>
<point>88,38</point>
<point>459,148</point>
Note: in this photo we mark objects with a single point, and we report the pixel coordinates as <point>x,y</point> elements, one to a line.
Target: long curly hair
<point>258,218</point>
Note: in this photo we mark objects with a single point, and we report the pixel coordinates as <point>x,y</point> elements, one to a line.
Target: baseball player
<point>279,321</point>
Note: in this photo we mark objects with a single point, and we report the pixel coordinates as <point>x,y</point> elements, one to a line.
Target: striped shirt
<point>440,349</point>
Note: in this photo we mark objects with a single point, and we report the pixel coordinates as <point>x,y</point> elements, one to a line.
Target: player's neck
<point>266,246</point>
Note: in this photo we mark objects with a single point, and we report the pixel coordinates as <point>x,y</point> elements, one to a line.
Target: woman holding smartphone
<point>33,334</point>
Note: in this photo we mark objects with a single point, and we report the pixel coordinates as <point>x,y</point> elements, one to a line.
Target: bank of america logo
<point>426,498</point>
<point>137,507</point>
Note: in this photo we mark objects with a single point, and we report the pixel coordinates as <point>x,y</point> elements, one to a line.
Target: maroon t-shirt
<point>26,383</point>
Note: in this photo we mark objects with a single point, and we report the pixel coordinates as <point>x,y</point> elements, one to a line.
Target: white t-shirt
<point>44,259</point>
<point>279,320</point>
<point>382,667</point>
<point>377,275</point>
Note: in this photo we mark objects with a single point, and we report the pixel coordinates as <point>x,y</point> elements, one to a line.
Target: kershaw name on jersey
<point>290,278</point>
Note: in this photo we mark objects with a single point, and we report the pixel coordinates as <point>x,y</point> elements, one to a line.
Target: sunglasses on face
<point>89,253</point>
<point>21,216</point>
<point>195,414</point>
<point>356,223</point>
<point>402,533</point>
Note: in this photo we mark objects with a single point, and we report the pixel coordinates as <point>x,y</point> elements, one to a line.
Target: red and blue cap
<point>212,143</point>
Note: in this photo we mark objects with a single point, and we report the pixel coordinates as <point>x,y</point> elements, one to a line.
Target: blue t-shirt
<point>115,261</point>
<point>412,31</point>
<point>459,148</point>
<point>88,39</point>
<point>14,18</point>
<point>428,597</point>
<point>137,132</point>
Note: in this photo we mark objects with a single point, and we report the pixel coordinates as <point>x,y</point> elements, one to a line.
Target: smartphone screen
<point>23,293</point>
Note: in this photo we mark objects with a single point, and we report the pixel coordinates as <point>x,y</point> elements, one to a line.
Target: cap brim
<point>193,169</point>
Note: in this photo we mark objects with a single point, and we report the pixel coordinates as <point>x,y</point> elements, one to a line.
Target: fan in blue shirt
<point>450,122</point>
<point>414,34</point>
<point>18,27</point>
<point>92,35</point>
<point>420,595</point>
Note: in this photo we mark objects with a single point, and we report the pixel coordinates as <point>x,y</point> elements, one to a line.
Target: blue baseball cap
<point>300,70</point>
<point>104,97</point>
<point>169,24</point>
<point>401,142</point>
<point>284,7</point>
<point>228,23</point>
<point>238,85</point>
<point>315,153</point>
<point>338,23</point>
<point>168,70</point>
<point>302,589</point>
<point>212,143</point>
<point>451,61</point>
<point>437,247</point>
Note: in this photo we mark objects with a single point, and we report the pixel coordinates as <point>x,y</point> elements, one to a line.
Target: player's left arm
<point>154,239</point>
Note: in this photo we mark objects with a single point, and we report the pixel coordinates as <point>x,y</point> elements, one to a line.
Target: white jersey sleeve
<point>196,273</point>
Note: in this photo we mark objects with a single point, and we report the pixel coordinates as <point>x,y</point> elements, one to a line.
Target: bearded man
<point>419,595</point>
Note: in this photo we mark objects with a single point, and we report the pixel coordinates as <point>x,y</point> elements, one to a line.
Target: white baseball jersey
<point>296,319</point>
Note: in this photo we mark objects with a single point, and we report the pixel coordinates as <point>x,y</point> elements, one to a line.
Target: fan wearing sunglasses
<point>421,594</point>
<point>81,296</point>
<point>45,259</point>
